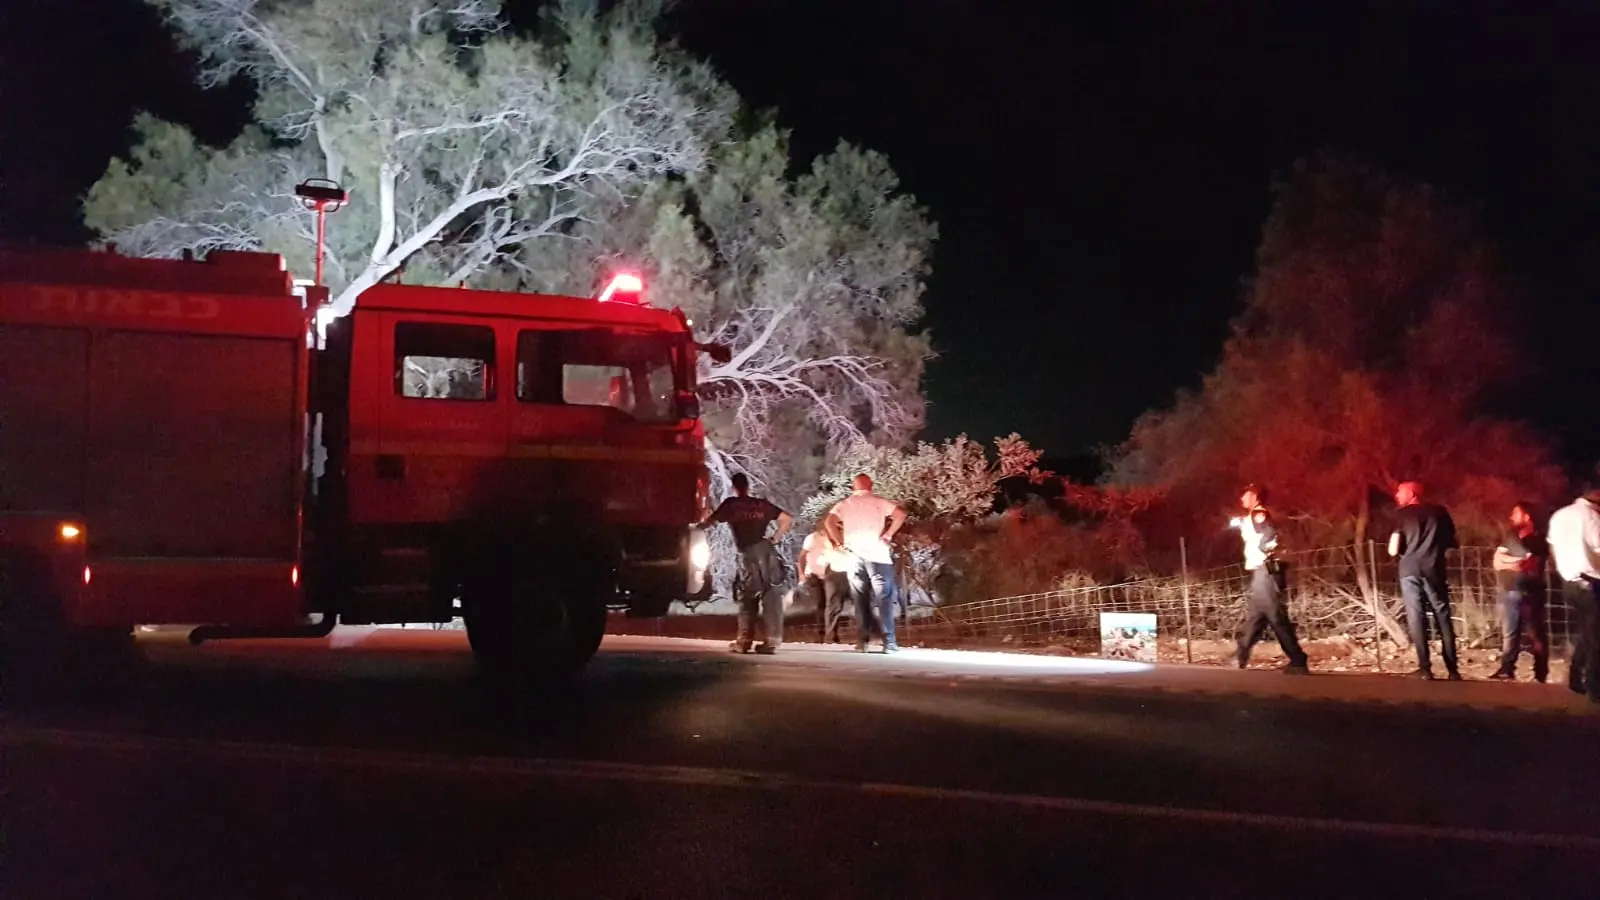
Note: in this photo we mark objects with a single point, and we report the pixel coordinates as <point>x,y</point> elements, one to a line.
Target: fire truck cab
<point>179,445</point>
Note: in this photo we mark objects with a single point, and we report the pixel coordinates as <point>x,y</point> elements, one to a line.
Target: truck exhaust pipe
<point>318,629</point>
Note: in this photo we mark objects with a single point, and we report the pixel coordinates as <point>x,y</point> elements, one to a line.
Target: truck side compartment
<point>167,422</point>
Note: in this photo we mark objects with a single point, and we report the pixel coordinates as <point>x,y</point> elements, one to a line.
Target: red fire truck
<point>179,445</point>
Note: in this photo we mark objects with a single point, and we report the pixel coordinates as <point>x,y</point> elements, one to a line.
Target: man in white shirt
<point>1266,608</point>
<point>864,524</point>
<point>825,572</point>
<point>1574,537</point>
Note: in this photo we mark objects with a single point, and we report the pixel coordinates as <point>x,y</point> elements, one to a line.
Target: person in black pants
<point>1574,537</point>
<point>1519,565</point>
<point>1423,533</point>
<point>1268,584</point>
<point>825,570</point>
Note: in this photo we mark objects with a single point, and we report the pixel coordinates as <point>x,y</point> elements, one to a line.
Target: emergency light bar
<point>626,284</point>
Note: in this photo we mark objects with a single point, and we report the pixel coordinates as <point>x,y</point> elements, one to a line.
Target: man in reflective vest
<point>1266,607</point>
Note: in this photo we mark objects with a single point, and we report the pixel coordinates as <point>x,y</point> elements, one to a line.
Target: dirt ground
<point>1326,654</point>
<point>1348,655</point>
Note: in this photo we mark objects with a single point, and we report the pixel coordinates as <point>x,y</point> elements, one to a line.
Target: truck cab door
<point>428,419</point>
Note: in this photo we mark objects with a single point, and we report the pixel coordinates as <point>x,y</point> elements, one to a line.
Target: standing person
<point>758,586</point>
<point>864,524</point>
<point>1268,583</point>
<point>1575,545</point>
<point>826,575</point>
<point>1519,564</point>
<point>1422,534</point>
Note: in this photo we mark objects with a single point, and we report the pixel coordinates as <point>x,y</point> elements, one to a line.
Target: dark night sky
<point>1099,176</point>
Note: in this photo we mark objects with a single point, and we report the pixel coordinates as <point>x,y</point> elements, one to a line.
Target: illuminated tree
<point>1376,327</point>
<point>814,282</point>
<point>544,163</point>
<point>459,142</point>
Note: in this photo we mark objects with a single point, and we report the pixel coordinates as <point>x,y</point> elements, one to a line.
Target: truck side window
<point>549,370</point>
<point>630,373</point>
<point>435,361</point>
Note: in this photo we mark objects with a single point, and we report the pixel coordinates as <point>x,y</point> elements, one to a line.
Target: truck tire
<point>40,655</point>
<point>534,627</point>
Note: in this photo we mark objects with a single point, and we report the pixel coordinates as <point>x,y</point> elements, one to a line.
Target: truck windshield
<point>632,373</point>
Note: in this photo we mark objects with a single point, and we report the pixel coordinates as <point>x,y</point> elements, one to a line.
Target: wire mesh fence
<point>1346,601</point>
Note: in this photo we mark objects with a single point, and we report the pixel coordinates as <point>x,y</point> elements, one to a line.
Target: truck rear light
<point>702,492</point>
<point>68,531</point>
<point>87,575</point>
<point>294,576</point>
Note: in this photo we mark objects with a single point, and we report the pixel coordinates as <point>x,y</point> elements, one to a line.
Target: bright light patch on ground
<point>1065,665</point>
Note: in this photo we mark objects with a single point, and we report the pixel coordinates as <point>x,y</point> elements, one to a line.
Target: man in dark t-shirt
<point>1519,567</point>
<point>1423,533</point>
<point>758,585</point>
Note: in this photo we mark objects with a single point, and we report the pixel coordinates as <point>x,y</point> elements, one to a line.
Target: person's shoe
<point>1454,676</point>
<point>1297,669</point>
<point>1241,662</point>
<point>1503,675</point>
<point>1423,674</point>
<point>891,648</point>
<point>1541,678</point>
<point>766,649</point>
<point>861,646</point>
<point>739,646</point>
<point>1577,687</point>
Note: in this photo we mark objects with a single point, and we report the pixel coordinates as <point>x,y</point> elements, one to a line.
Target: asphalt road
<point>387,770</point>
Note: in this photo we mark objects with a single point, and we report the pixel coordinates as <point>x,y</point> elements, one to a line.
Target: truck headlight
<point>699,555</point>
<point>699,550</point>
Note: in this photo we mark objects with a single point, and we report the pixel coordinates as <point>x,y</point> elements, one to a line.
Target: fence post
<point>1188,622</point>
<point>1377,622</point>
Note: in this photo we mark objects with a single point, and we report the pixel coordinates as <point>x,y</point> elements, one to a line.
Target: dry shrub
<point>1013,554</point>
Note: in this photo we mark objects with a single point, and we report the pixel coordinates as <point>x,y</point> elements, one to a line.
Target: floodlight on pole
<point>324,196</point>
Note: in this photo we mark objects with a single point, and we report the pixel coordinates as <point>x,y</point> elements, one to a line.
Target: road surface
<point>375,765</point>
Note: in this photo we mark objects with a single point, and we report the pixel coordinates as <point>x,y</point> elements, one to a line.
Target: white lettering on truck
<point>135,304</point>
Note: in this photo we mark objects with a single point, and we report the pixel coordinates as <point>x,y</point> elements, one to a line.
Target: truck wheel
<point>534,628</point>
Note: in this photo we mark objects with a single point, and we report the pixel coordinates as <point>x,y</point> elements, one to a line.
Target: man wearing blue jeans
<point>1422,534</point>
<point>1519,565</point>
<point>864,524</point>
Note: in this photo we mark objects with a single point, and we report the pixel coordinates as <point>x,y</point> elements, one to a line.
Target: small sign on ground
<point>1130,636</point>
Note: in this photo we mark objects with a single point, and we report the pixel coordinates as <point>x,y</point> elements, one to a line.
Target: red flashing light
<point>626,284</point>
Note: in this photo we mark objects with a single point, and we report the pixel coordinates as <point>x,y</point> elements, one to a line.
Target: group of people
<point>1424,532</point>
<point>850,553</point>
